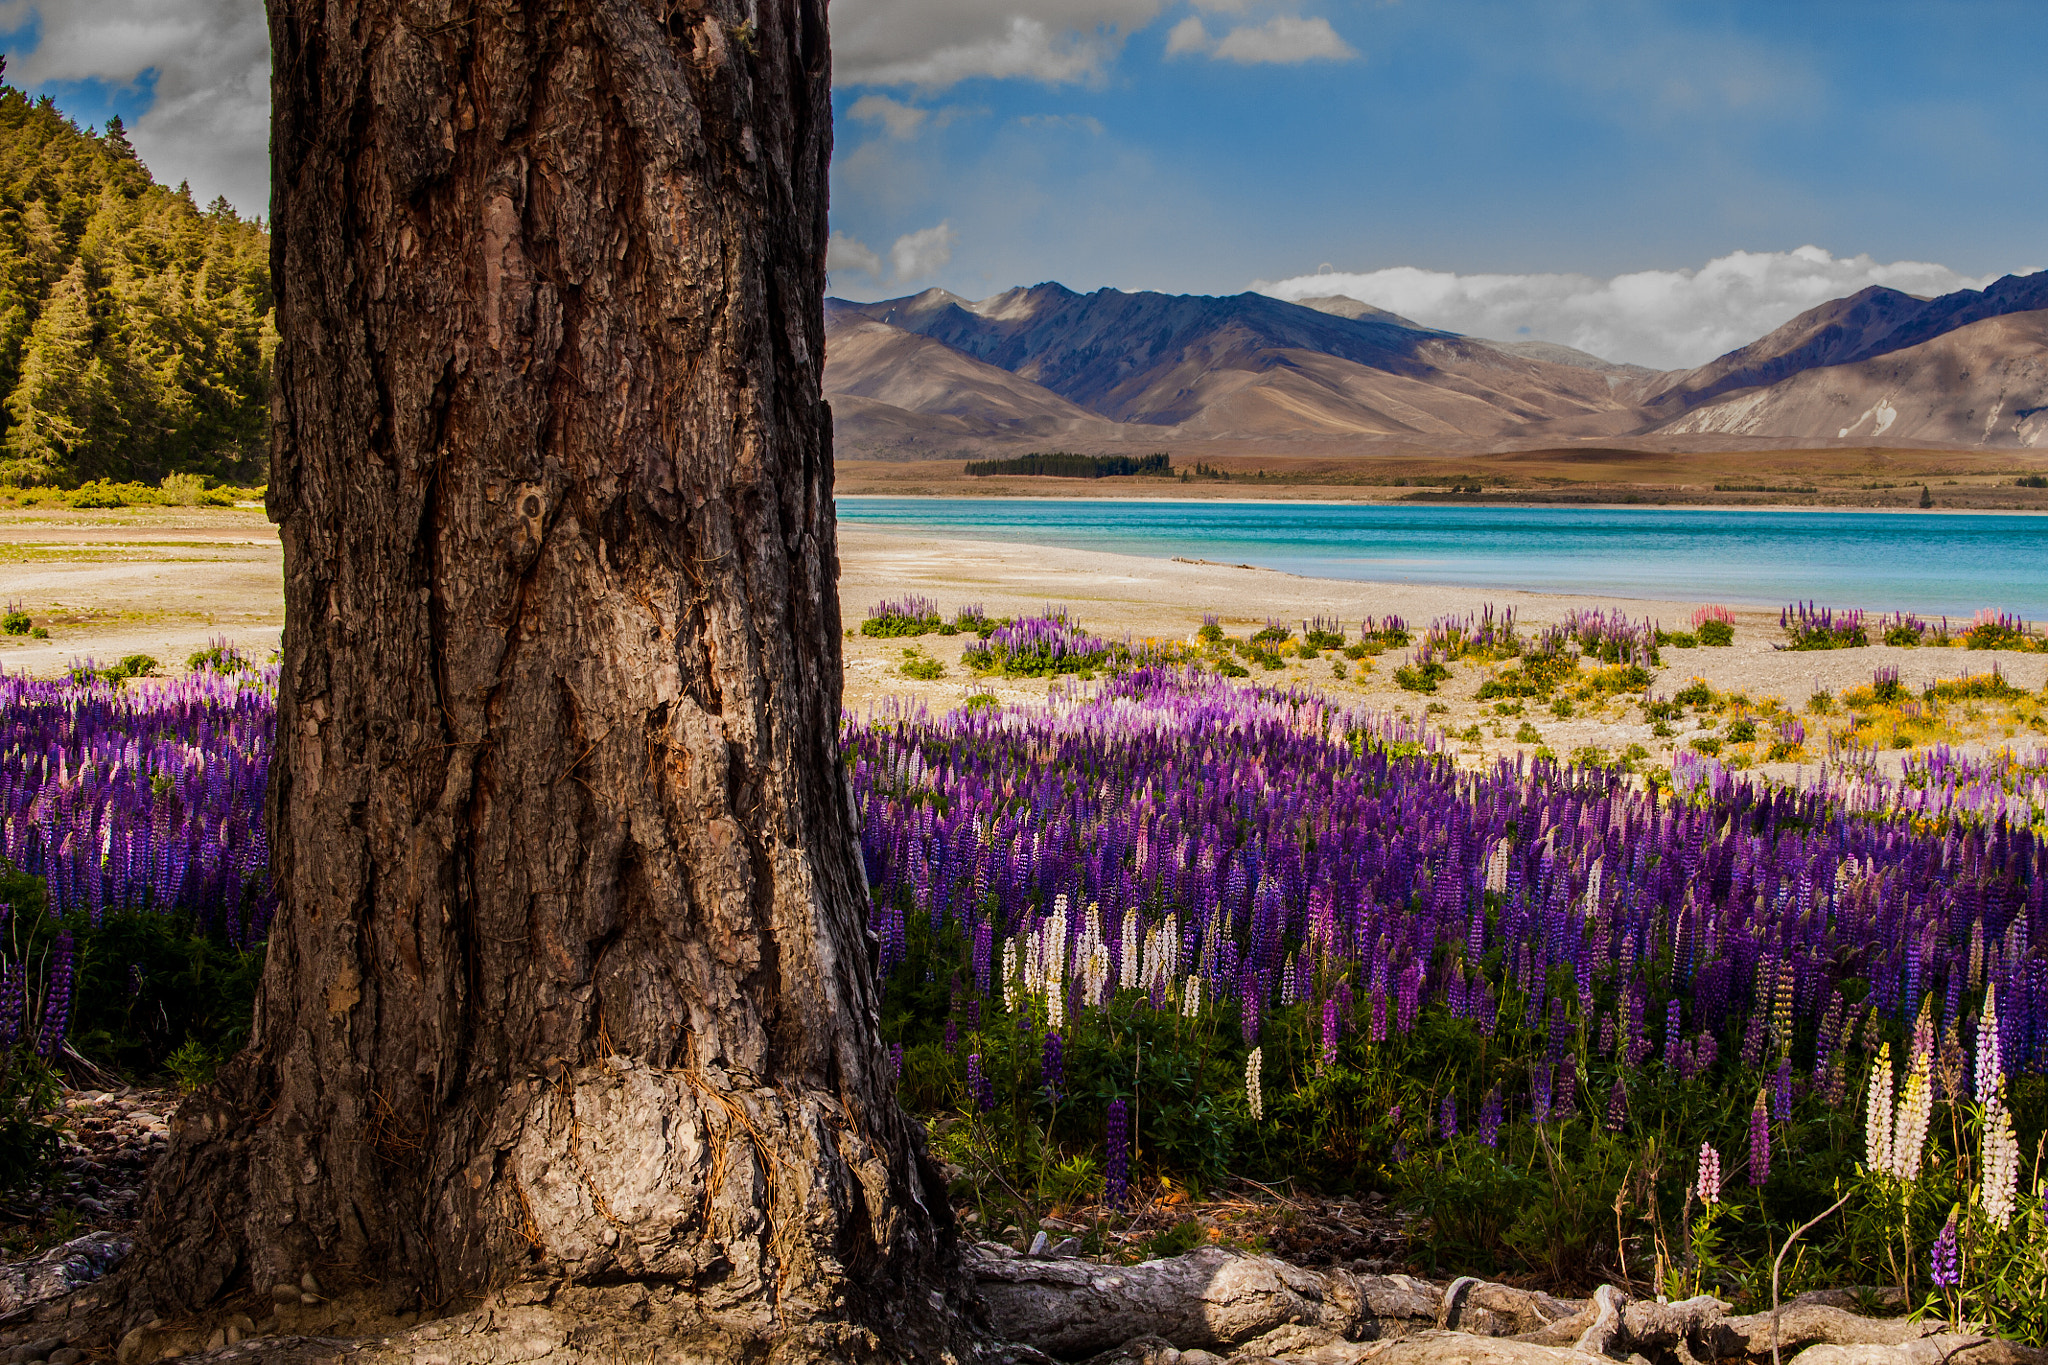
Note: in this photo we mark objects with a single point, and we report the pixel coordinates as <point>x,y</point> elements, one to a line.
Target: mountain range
<point>935,375</point>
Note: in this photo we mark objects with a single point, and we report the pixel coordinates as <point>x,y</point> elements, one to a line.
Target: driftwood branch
<point>1214,1304</point>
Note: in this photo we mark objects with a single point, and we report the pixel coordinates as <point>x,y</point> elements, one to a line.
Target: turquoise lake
<point>1911,561</point>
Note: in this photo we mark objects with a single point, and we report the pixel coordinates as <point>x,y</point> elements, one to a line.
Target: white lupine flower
<point>1987,1049</point>
<point>1134,932</point>
<point>2001,1159</point>
<point>1916,1111</point>
<point>1877,1113</point>
<point>1254,1092</point>
<point>1593,886</point>
<point>1191,998</point>
<point>1011,993</point>
<point>1497,869</point>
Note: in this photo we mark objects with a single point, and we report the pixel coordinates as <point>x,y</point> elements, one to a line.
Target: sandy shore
<point>163,581</point>
<point>160,581</point>
<point>1117,594</point>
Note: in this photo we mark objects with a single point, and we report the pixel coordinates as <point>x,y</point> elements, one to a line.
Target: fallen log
<point>1213,1303</point>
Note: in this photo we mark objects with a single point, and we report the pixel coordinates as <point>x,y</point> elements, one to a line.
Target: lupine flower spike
<point>1709,1186</point>
<point>1945,1263</point>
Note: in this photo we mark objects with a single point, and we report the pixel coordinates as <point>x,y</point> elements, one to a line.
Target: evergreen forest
<point>135,327</point>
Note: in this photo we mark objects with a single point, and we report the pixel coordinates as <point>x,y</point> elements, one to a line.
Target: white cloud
<point>210,121</point>
<point>937,43</point>
<point>913,256</point>
<point>1083,123</point>
<point>1187,36</point>
<point>902,120</point>
<point>849,253</point>
<point>922,254</point>
<point>1284,40</point>
<point>1667,319</point>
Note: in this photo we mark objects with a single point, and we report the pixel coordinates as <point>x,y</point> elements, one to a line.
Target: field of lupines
<point>137,891</point>
<point>1170,931</point>
<point>1175,928</point>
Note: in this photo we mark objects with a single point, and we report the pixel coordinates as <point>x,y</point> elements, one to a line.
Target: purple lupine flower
<point>979,1086</point>
<point>1617,1107</point>
<point>1116,1155</point>
<point>1447,1117</point>
<point>1945,1263</point>
<point>1781,1092</point>
<point>1760,1142</point>
<point>1539,1093</point>
<point>1673,1043</point>
<point>57,999</point>
<point>952,1040</point>
<point>1490,1118</point>
<point>1329,1052</point>
<point>896,1061</point>
<point>1052,1067</point>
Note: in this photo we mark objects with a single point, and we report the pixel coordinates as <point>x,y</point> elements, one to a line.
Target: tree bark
<point>571,976</point>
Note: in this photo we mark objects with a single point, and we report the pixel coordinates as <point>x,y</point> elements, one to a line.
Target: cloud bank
<point>1666,319</point>
<point>210,122</point>
<point>1283,40</point>
<point>933,44</point>
<point>913,256</point>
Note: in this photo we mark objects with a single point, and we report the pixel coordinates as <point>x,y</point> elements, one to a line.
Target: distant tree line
<point>135,328</point>
<point>1059,464</point>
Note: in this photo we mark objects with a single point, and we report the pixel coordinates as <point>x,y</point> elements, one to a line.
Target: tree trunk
<point>571,976</point>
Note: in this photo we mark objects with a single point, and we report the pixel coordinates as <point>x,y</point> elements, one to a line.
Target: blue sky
<point>1412,148</point>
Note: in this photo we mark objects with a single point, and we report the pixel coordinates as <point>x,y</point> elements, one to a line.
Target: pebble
<point>1038,1245</point>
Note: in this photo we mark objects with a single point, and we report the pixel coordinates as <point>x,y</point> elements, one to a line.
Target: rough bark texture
<point>571,976</point>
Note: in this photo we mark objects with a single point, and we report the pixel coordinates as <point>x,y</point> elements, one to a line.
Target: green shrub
<point>1705,744</point>
<point>1538,675</point>
<point>1528,734</point>
<point>1677,639</point>
<point>1230,668</point>
<point>1695,693</point>
<point>920,666</point>
<point>1741,730</point>
<point>15,621</point>
<point>1420,678</point>
<point>1717,633</point>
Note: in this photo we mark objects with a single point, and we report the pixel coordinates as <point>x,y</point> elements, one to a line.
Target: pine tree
<point>135,328</point>
<point>65,410</point>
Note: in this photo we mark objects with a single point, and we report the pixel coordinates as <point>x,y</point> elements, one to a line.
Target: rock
<point>133,1345</point>
<point>1038,1245</point>
<point>284,1293</point>
<point>308,1283</point>
<point>1068,1246</point>
<point>60,1270</point>
<point>69,1355</point>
